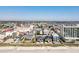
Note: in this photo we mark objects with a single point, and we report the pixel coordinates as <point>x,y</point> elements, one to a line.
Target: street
<point>39,49</point>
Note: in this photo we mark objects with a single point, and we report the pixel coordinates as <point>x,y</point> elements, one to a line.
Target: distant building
<point>71,31</point>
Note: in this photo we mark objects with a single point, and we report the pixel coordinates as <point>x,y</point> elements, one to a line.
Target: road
<point>39,49</point>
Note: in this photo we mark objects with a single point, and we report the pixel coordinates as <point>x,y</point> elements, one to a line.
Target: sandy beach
<point>39,49</point>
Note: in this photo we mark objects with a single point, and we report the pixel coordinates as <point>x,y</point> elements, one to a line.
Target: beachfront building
<point>71,31</point>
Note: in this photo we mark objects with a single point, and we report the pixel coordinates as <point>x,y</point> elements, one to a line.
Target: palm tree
<point>34,37</point>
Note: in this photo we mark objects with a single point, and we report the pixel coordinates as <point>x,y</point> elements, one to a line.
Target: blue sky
<point>51,13</point>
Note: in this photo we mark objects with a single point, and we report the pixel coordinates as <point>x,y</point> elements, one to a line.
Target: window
<point>67,32</point>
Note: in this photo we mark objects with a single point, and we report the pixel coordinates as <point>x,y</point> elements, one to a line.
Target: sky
<point>42,13</point>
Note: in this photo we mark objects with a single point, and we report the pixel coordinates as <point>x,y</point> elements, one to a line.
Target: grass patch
<point>37,45</point>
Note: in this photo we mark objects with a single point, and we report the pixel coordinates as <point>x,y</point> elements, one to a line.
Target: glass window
<point>77,32</point>
<point>67,32</point>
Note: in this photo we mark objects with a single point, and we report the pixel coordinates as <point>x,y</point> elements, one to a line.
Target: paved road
<point>39,50</point>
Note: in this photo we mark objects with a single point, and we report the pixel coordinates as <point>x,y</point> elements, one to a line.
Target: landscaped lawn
<point>37,45</point>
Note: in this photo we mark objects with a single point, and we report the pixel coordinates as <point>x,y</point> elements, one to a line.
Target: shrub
<point>33,40</point>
